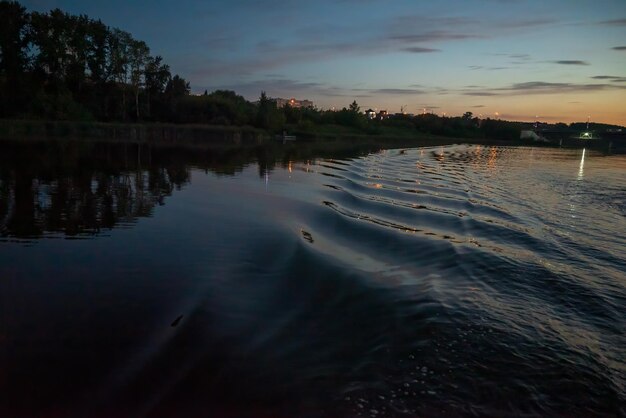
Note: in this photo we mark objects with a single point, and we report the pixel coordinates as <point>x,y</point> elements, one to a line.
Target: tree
<point>268,116</point>
<point>13,39</point>
<point>97,34</point>
<point>177,87</point>
<point>77,28</point>
<point>156,76</point>
<point>468,115</point>
<point>58,65</point>
<point>119,43</point>
<point>354,107</point>
<point>138,56</point>
<point>49,34</point>
<point>13,54</point>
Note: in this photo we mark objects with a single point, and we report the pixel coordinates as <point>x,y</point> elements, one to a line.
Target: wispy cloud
<point>526,23</point>
<point>548,86</point>
<point>614,22</point>
<point>432,36</point>
<point>275,86</point>
<point>570,62</point>
<point>619,48</point>
<point>542,87</point>
<point>397,92</point>
<point>480,67</point>
<point>415,34</point>
<point>612,78</point>
<point>481,93</point>
<point>420,50</point>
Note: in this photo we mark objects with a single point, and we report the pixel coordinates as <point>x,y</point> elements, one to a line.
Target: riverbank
<point>158,133</point>
<point>331,137</point>
<point>200,135</point>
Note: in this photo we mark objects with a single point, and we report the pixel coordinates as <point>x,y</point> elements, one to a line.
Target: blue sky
<point>556,60</point>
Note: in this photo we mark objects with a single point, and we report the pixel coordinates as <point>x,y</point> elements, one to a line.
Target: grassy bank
<point>128,132</point>
<point>177,134</point>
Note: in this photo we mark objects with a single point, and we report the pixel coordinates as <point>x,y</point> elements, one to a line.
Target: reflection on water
<point>80,190</point>
<point>581,167</point>
<point>288,281</point>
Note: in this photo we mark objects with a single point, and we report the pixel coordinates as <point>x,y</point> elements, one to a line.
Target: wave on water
<point>445,281</point>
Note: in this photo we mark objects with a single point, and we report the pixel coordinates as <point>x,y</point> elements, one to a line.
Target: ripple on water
<point>528,313</point>
<point>445,281</point>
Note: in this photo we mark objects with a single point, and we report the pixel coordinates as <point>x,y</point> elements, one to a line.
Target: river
<point>459,280</point>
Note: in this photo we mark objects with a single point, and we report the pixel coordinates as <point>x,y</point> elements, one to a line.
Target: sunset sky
<point>560,60</point>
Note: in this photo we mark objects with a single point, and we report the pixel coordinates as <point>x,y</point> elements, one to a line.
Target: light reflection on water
<point>443,281</point>
<point>581,168</point>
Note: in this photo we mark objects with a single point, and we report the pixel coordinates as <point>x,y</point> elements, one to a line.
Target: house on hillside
<point>295,103</point>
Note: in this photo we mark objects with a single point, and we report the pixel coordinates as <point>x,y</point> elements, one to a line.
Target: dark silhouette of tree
<point>268,115</point>
<point>156,77</point>
<point>119,60</point>
<point>14,39</point>
<point>175,90</point>
<point>139,54</point>
<point>354,107</point>
<point>177,87</point>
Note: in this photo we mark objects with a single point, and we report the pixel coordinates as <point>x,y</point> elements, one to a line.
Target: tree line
<point>60,66</point>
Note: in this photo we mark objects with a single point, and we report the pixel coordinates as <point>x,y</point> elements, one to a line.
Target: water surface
<point>440,281</point>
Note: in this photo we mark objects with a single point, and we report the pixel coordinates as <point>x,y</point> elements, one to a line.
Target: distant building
<point>373,114</point>
<point>295,103</point>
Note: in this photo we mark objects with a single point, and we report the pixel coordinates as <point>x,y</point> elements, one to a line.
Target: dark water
<point>445,281</point>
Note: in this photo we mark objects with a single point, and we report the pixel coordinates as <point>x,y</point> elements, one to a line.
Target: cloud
<point>612,78</point>
<point>541,87</point>
<point>520,56</point>
<point>397,92</point>
<point>570,62</point>
<point>527,23</point>
<point>619,48</point>
<point>319,42</point>
<point>614,22</point>
<point>480,93</point>
<point>284,87</point>
<point>432,36</point>
<point>480,67</point>
<point>279,87</point>
<point>478,106</point>
<point>419,50</point>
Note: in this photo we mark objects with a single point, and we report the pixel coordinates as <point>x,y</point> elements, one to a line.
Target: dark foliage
<point>58,66</point>
<point>64,67</point>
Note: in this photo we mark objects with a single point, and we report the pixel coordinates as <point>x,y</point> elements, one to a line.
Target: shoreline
<point>201,135</point>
